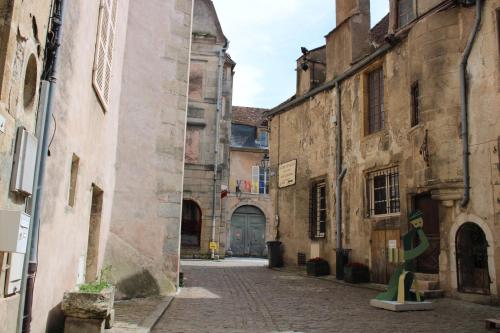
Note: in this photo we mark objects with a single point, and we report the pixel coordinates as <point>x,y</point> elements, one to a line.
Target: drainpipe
<point>222,55</point>
<point>340,174</point>
<point>45,108</point>
<point>464,103</point>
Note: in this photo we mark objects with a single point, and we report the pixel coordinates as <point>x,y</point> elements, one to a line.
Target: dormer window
<point>406,12</point>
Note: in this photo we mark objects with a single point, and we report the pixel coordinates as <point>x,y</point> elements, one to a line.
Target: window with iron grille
<point>317,208</point>
<point>375,112</point>
<point>104,51</point>
<point>415,104</point>
<point>406,12</point>
<point>383,192</point>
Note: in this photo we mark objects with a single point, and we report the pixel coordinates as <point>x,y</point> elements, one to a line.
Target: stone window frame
<point>317,224</point>
<point>369,127</point>
<point>103,57</point>
<point>392,192</point>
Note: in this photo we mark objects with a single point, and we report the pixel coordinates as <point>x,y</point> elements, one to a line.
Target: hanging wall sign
<point>286,174</point>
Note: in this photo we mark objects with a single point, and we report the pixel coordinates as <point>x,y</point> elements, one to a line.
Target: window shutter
<point>255,179</point>
<point>312,212</point>
<point>104,50</point>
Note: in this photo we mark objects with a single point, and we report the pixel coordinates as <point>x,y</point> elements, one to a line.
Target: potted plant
<point>356,273</point>
<point>89,304</point>
<point>317,267</point>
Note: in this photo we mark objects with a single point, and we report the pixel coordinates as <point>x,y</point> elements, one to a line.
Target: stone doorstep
<point>147,324</point>
<point>401,307</point>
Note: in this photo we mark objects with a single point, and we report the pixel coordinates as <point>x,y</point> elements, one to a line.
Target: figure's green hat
<point>415,215</point>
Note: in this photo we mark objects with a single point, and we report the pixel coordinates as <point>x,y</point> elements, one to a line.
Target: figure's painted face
<point>418,223</point>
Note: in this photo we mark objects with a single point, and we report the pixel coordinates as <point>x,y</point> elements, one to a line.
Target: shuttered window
<point>317,210</point>
<point>104,50</point>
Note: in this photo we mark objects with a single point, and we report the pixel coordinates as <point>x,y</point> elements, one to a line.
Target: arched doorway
<point>248,232</point>
<point>191,224</point>
<point>472,260</point>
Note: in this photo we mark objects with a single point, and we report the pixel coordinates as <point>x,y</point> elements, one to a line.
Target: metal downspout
<point>464,104</point>
<point>222,54</point>
<point>340,173</point>
<point>45,107</point>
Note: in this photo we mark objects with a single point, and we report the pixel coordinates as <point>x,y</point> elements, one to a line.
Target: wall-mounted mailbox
<point>14,229</point>
<point>23,169</point>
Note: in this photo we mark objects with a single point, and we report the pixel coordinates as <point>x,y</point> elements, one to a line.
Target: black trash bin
<point>274,254</point>
<point>342,259</point>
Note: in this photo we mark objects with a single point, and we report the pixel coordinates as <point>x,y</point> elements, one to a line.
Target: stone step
<point>428,285</point>
<point>431,294</point>
<point>427,277</point>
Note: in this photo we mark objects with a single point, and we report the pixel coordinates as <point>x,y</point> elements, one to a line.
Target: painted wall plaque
<point>286,174</point>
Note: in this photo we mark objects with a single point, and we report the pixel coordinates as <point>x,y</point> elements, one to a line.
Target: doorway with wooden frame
<point>428,262</point>
<point>381,242</point>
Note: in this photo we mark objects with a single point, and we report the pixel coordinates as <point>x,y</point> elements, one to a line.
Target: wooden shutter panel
<point>104,50</point>
<point>255,179</point>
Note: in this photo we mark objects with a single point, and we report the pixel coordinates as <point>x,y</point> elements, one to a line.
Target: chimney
<point>350,40</point>
<point>348,8</point>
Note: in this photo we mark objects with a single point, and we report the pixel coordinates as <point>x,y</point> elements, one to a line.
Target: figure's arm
<point>415,252</point>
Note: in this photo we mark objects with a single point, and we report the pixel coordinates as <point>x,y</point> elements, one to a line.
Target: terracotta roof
<point>248,116</point>
<point>379,31</point>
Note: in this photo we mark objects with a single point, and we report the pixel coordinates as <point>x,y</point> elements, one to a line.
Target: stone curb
<point>150,321</point>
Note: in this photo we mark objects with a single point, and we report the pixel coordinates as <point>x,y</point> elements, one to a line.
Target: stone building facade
<point>23,29</point>
<point>388,119</point>
<point>206,173</point>
<point>115,106</point>
<point>143,245</point>
<point>249,215</point>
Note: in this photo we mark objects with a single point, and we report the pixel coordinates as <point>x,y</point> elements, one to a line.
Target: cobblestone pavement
<point>233,296</point>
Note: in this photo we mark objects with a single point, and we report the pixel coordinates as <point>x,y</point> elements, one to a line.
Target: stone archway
<point>461,220</point>
<point>472,260</point>
<point>191,225</point>
<point>248,232</point>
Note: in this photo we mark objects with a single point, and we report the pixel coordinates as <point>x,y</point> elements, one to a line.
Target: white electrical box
<point>23,169</point>
<point>14,229</point>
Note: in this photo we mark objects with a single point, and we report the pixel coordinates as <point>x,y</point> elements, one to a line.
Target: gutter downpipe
<point>46,105</point>
<point>222,54</point>
<point>340,174</point>
<point>464,104</point>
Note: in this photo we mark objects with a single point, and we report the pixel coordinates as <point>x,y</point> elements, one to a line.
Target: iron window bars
<point>383,192</point>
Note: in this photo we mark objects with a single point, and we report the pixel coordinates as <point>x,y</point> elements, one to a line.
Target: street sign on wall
<point>286,174</point>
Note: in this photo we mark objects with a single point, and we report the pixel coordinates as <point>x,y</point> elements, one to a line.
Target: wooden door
<point>381,268</point>
<point>428,262</point>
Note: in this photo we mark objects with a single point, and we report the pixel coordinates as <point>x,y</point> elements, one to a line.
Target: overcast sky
<point>265,39</point>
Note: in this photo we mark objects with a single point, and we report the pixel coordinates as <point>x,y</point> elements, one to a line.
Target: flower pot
<point>85,305</point>
<point>318,268</point>
<point>356,274</point>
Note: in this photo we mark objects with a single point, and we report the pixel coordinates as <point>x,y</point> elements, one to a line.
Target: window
<point>375,113</point>
<point>263,180</point>
<point>415,104</point>
<point>104,50</point>
<point>317,207</point>
<point>406,13</point>
<point>383,192</point>
<point>75,162</point>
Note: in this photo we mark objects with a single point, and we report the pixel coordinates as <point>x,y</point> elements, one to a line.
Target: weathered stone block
<point>83,305</point>
<point>79,325</point>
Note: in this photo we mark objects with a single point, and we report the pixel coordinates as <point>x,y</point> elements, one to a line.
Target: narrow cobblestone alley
<point>244,296</point>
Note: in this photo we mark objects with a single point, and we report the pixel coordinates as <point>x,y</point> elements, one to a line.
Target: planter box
<point>78,304</point>
<point>318,268</point>
<point>356,274</point>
